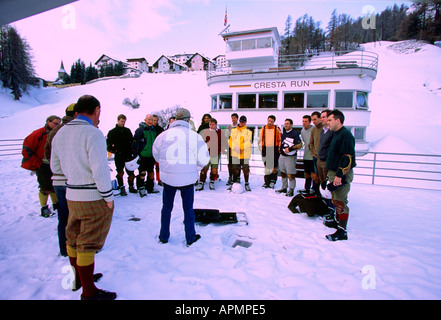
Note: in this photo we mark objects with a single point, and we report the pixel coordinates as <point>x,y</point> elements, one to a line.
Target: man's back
<point>84,162</point>
<point>180,152</point>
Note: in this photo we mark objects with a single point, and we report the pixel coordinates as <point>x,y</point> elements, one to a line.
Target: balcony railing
<point>302,62</point>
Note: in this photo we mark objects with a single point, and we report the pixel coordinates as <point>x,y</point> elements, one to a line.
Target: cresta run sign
<point>283,84</point>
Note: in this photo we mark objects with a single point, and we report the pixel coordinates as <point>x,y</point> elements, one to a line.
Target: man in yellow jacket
<point>241,146</point>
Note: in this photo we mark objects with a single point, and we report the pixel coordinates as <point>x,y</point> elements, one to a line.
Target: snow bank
<point>392,251</point>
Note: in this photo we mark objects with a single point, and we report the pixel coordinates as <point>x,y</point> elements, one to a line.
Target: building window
<point>235,45</point>
<point>226,101</point>
<point>214,103</point>
<point>294,100</point>
<point>249,44</point>
<point>359,133</point>
<point>317,100</point>
<point>343,99</point>
<point>247,101</point>
<point>362,102</point>
<point>264,43</point>
<point>268,100</point>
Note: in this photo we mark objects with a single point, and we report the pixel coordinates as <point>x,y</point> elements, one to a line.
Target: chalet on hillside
<point>198,62</point>
<point>221,61</point>
<point>139,64</point>
<point>166,64</point>
<point>105,61</point>
<point>181,58</point>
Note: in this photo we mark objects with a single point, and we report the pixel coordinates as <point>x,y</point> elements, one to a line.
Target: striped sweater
<point>79,152</point>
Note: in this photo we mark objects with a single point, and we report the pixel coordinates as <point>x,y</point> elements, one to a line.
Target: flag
<point>225,19</point>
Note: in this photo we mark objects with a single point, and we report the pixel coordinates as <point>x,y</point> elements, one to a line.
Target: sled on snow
<point>206,216</point>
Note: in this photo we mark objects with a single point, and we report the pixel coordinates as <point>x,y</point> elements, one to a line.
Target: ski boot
<point>122,191</point>
<point>340,234</point>
<point>46,212</point>
<point>132,190</point>
<point>142,192</point>
<point>211,185</point>
<point>199,186</point>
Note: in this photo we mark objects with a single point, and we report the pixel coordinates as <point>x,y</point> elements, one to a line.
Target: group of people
<point>328,158</point>
<point>70,159</point>
<point>71,162</point>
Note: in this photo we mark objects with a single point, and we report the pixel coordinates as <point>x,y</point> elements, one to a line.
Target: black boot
<point>140,184</point>
<point>266,179</point>
<point>340,234</point>
<point>131,187</point>
<point>149,186</point>
<point>122,191</point>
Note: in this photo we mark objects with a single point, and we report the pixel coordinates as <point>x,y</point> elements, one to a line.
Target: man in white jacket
<point>79,152</point>
<point>180,152</point>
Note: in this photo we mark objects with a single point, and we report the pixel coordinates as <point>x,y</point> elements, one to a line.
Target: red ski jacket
<point>33,149</point>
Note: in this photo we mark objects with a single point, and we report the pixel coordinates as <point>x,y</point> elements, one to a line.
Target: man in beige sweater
<point>79,152</point>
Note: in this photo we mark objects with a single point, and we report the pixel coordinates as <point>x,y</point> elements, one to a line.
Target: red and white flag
<point>225,19</point>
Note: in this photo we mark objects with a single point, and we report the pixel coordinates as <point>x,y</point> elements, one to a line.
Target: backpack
<point>311,204</point>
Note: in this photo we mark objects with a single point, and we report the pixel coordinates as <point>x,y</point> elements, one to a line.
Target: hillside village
<point>134,67</point>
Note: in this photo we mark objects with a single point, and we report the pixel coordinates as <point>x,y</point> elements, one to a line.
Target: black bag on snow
<point>311,204</point>
<point>206,216</point>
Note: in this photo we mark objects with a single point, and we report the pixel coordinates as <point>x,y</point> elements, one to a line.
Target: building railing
<point>303,62</point>
<point>420,171</point>
<point>11,147</point>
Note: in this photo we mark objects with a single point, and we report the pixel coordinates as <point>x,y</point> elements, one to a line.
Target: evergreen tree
<point>16,69</point>
<point>286,38</point>
<point>332,30</point>
<point>118,69</point>
<point>91,73</point>
<point>78,72</point>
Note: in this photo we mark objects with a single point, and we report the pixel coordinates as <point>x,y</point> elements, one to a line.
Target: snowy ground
<point>392,251</point>
<point>393,247</point>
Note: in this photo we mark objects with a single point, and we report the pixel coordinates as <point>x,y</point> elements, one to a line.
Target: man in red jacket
<point>33,159</point>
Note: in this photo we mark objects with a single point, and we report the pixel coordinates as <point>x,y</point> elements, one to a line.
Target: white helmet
<point>132,165</point>
<point>237,188</point>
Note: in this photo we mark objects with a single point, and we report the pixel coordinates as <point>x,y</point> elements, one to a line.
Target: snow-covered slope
<point>406,96</point>
<point>405,100</point>
<point>154,92</point>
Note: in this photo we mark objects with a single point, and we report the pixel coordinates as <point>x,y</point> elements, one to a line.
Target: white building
<point>221,61</point>
<point>181,58</point>
<point>139,64</point>
<point>258,83</point>
<point>166,64</point>
<point>198,62</point>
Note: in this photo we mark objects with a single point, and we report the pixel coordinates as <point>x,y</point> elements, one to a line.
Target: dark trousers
<point>63,215</point>
<point>168,197</point>
<point>315,178</point>
<point>308,166</point>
